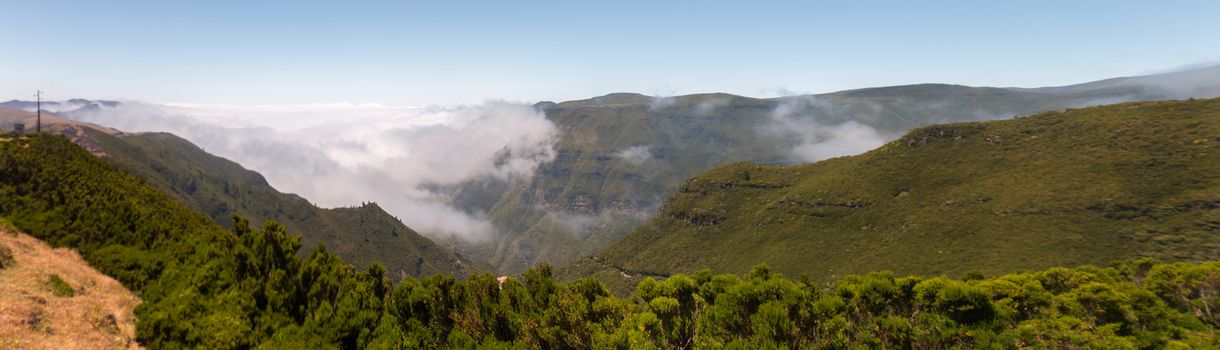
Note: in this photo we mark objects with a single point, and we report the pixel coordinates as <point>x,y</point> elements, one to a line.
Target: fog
<point>635,154</point>
<point>820,130</point>
<point>345,154</point>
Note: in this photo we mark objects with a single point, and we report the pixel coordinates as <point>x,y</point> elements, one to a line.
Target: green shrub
<point>60,288</point>
<point>6,257</point>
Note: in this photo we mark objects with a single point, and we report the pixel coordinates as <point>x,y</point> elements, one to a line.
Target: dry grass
<point>98,316</point>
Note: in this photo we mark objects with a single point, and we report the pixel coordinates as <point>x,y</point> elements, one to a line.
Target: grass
<point>1084,186</point>
<point>39,312</point>
<point>60,288</point>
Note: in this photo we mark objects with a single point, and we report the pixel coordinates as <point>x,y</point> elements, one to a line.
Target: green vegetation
<point>1086,186</point>
<point>218,187</point>
<point>1140,304</point>
<point>6,257</point>
<point>684,136</point>
<point>60,288</point>
<point>204,286</point>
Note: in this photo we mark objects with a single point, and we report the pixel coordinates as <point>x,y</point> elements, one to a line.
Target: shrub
<point>6,257</point>
<point>60,288</point>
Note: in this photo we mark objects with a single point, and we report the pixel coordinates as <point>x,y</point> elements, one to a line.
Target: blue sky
<point>460,52</point>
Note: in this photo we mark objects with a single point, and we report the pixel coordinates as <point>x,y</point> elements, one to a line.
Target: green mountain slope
<point>1075,187</point>
<point>592,194</point>
<point>201,286</point>
<point>219,187</point>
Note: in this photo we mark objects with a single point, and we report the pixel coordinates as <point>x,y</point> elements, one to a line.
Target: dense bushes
<point>1092,307</point>
<point>207,287</point>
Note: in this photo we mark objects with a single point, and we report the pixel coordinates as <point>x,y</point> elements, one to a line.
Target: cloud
<point>580,225</point>
<point>819,130</point>
<point>635,154</point>
<point>781,92</point>
<point>345,154</point>
<point>709,106</point>
<point>660,102</point>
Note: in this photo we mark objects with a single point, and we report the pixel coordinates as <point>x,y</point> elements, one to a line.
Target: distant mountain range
<point>73,105</point>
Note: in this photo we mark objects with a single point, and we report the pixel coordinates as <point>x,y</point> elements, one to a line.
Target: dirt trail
<point>98,315</point>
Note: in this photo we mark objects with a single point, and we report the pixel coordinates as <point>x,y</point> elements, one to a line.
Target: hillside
<point>85,310</point>
<point>621,155</point>
<point>1084,186</point>
<point>206,288</point>
<point>202,286</point>
<point>218,188</point>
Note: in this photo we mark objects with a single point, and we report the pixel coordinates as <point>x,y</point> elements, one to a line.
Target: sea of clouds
<point>344,154</point>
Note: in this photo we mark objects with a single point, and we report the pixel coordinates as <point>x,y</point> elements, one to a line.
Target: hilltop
<point>1084,186</point>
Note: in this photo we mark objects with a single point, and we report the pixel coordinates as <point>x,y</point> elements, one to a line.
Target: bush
<point>6,257</point>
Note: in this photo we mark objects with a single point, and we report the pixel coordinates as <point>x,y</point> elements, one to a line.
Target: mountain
<point>218,188</point>
<point>57,106</point>
<point>1200,82</point>
<point>1082,186</point>
<point>620,155</point>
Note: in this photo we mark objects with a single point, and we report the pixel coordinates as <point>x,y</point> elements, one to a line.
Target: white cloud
<point>800,119</point>
<point>635,154</point>
<point>710,105</point>
<point>345,154</point>
<point>661,102</point>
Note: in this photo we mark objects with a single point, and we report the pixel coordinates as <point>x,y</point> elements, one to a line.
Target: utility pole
<point>38,106</point>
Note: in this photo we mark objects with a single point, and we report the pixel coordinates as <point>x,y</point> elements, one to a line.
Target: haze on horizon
<point>260,53</point>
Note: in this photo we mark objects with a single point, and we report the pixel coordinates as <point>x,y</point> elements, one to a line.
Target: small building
<point>19,128</point>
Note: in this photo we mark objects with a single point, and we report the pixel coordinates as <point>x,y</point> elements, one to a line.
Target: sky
<point>468,52</point>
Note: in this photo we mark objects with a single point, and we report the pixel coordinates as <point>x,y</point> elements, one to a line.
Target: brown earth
<point>97,316</point>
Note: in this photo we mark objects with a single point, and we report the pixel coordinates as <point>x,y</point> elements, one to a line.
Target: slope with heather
<point>1084,186</point>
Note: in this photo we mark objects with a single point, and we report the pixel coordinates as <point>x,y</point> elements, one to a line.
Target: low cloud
<point>346,154</point>
<point>709,106</point>
<point>635,154</point>
<point>660,102</point>
<point>820,130</point>
<point>580,225</point>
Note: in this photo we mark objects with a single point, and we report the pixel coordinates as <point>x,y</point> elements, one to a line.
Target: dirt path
<point>98,315</point>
